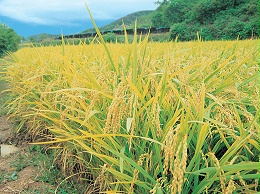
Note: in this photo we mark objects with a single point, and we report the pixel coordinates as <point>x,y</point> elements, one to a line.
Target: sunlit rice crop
<point>145,117</point>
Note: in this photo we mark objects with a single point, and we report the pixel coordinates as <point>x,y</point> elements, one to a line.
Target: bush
<point>178,30</point>
<point>206,34</point>
<point>9,39</point>
<point>184,32</point>
<point>110,37</point>
<point>233,30</point>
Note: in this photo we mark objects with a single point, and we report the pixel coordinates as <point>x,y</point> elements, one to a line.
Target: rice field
<point>175,117</point>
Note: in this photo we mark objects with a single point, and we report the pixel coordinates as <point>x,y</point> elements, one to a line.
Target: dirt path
<point>16,173</point>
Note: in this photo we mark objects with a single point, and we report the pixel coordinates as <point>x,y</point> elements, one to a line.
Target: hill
<point>143,20</point>
<point>41,37</point>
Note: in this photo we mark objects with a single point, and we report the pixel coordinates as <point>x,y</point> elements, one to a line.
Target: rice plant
<point>145,117</point>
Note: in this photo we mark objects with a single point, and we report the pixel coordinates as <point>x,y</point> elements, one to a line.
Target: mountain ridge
<point>143,20</point>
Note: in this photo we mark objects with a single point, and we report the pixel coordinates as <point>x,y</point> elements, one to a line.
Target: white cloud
<point>67,12</point>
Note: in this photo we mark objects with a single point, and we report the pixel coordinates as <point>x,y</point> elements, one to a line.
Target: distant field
<point>145,117</point>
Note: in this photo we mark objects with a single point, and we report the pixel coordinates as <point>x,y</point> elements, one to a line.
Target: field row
<point>145,117</point>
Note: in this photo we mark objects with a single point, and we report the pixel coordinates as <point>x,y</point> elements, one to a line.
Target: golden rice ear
<point>175,117</point>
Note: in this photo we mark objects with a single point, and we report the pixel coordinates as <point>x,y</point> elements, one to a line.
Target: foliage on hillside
<point>9,40</point>
<point>143,17</point>
<point>41,37</point>
<point>213,19</point>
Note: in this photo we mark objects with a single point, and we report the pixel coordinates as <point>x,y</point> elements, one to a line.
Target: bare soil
<point>12,180</point>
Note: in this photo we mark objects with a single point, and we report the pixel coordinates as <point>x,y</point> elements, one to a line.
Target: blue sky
<point>30,17</point>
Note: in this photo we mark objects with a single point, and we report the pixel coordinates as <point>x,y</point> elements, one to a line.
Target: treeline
<point>9,39</point>
<point>212,19</point>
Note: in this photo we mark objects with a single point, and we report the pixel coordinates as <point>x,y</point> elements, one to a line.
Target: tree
<point>212,19</point>
<point>157,19</point>
<point>171,12</point>
<point>9,39</point>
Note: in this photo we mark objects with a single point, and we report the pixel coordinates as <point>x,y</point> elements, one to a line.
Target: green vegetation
<point>9,40</point>
<point>212,19</point>
<point>39,38</point>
